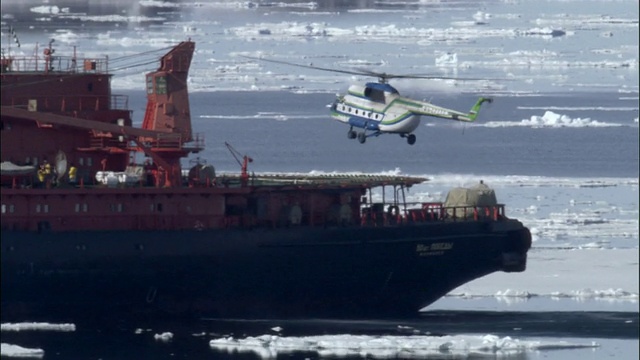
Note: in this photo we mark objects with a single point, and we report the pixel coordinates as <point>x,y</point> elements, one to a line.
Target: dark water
<point>191,339</point>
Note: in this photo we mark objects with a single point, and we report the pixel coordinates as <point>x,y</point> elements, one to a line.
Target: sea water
<point>559,144</point>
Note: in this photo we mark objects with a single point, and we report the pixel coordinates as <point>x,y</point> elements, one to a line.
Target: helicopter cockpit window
<point>374,94</point>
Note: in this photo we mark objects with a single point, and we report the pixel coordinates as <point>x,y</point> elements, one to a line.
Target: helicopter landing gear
<point>351,134</point>
<point>362,137</point>
<point>411,138</point>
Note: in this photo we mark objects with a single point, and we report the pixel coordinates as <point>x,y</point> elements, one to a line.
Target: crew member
<point>48,175</point>
<point>47,169</point>
<point>73,173</point>
<point>41,174</point>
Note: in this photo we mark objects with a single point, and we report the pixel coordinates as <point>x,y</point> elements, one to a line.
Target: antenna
<point>12,34</point>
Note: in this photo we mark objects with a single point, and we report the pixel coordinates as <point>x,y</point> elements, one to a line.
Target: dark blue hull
<point>312,272</point>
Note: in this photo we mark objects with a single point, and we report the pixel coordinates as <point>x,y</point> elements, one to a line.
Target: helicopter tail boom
<point>428,109</point>
<point>473,113</point>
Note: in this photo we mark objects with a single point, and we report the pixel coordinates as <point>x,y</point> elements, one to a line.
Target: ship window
<point>90,87</point>
<point>4,208</point>
<point>85,207</point>
<point>89,161</point>
<point>116,207</point>
<point>159,207</point>
<point>38,208</point>
<point>149,85</point>
<point>81,161</point>
<point>12,208</point>
<point>161,85</point>
<point>152,207</point>
<point>46,208</point>
<point>77,207</point>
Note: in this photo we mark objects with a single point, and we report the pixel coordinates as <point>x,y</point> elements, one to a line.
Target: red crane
<point>244,175</point>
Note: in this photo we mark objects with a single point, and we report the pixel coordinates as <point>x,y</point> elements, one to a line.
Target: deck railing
<point>54,63</point>
<point>381,214</point>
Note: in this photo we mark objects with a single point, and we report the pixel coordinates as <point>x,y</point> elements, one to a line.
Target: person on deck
<point>41,175</point>
<point>73,173</point>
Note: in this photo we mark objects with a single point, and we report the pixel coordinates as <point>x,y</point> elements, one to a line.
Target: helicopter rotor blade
<point>306,66</point>
<point>382,77</point>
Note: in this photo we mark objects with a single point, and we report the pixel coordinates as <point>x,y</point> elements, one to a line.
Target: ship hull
<point>345,272</point>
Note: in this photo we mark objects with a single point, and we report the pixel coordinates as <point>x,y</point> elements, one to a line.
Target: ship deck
<point>331,180</point>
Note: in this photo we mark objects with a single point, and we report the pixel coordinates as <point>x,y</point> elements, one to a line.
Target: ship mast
<point>168,112</point>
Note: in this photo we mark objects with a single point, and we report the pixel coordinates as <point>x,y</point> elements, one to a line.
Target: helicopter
<point>378,108</point>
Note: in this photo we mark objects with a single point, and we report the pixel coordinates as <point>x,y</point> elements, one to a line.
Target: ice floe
<point>16,351</point>
<point>385,347</point>
<point>551,119</point>
<point>37,326</point>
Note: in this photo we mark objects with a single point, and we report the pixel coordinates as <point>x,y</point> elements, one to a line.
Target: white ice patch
<point>406,347</point>
<point>447,59</point>
<point>37,326</point>
<point>161,4</point>
<point>164,337</point>
<point>15,351</point>
<point>611,275</point>
<point>388,33</point>
<point>46,9</point>
<point>550,119</point>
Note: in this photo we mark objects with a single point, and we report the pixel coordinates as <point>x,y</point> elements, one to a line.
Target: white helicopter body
<point>378,108</point>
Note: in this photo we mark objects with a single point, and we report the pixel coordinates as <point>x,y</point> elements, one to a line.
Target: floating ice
<point>164,337</point>
<point>551,119</point>
<point>37,326</point>
<point>447,59</point>
<point>15,351</point>
<point>410,347</point>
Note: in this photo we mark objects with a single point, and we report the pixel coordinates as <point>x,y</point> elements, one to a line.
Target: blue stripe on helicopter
<point>371,124</point>
<point>364,123</point>
<point>375,86</point>
<point>382,87</point>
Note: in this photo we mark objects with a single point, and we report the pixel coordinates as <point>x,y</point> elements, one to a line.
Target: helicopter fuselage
<point>378,108</point>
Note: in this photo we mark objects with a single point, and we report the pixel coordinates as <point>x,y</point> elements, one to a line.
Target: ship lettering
<point>441,246</point>
<point>422,248</point>
<point>434,249</point>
